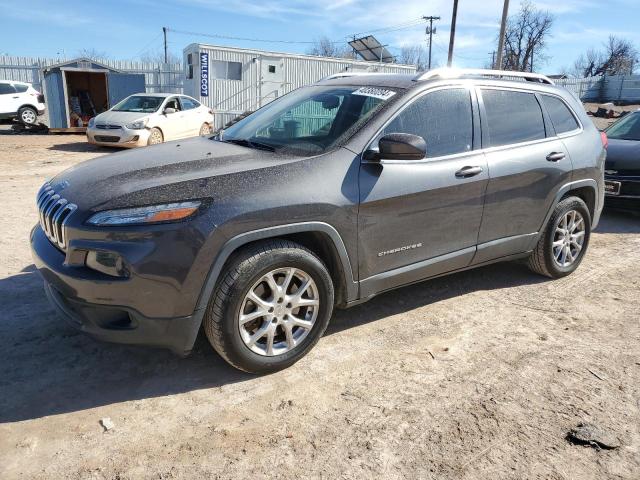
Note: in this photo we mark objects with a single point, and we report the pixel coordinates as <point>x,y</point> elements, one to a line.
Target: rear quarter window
<point>512,117</point>
<point>20,88</point>
<point>561,116</point>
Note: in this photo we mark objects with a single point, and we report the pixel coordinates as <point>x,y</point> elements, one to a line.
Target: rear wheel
<point>564,241</point>
<point>205,129</point>
<point>270,307</point>
<point>155,137</point>
<point>28,115</point>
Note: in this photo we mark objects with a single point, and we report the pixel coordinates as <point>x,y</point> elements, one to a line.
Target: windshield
<point>139,103</point>
<point>628,128</point>
<point>310,120</point>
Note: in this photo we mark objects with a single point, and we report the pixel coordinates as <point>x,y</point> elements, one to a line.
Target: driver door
<point>172,124</point>
<point>420,218</point>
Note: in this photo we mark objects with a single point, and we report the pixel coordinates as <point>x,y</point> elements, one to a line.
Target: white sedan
<point>148,119</point>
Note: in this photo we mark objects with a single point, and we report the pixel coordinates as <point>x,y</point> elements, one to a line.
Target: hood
<point>623,156</point>
<point>120,118</point>
<point>174,171</point>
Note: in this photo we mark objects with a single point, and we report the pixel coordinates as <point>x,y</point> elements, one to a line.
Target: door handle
<point>466,172</point>
<point>555,156</point>
<point>15,97</point>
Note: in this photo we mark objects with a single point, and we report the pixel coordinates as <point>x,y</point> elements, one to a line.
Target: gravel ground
<point>476,375</point>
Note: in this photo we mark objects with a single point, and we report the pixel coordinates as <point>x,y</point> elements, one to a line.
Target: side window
<point>6,88</point>
<point>188,103</point>
<point>444,118</point>
<point>512,117</point>
<point>222,70</point>
<point>20,88</point>
<point>561,116</point>
<point>173,103</point>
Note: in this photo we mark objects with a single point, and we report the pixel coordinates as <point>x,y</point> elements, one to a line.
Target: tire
<point>244,274</point>
<point>547,258</point>
<point>28,115</point>
<point>155,137</point>
<point>205,129</point>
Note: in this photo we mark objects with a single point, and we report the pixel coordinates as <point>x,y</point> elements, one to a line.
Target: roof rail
<point>465,72</point>
<point>350,74</point>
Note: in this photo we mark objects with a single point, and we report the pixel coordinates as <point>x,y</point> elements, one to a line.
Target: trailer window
<point>221,70</point>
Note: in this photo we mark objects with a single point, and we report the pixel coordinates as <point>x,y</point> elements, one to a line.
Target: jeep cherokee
<point>329,195</point>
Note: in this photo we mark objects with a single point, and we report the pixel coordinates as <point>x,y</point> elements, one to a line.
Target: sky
<point>131,29</point>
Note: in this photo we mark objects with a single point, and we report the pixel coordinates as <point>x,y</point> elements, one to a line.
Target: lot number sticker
<point>381,93</point>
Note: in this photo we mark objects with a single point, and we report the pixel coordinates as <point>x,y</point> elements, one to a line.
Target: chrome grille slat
<point>54,213</point>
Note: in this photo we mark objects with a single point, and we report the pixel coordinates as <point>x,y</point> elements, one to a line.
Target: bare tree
<point>616,58</point>
<point>325,47</point>
<point>525,38</point>
<point>413,55</point>
<point>92,54</point>
<point>158,57</point>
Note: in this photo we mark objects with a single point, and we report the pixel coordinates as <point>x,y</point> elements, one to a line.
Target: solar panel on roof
<point>371,50</point>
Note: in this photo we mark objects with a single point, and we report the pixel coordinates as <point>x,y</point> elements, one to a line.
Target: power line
<point>244,39</point>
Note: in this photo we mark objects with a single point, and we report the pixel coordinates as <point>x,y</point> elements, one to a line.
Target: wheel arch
<point>586,189</point>
<point>319,237</point>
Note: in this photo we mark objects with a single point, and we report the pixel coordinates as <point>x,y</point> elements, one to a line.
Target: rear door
<point>121,85</point>
<point>419,218</point>
<point>193,116</point>
<point>8,96</point>
<point>527,164</point>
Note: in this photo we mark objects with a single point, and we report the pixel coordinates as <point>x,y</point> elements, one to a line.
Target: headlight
<point>139,125</point>
<point>168,212</point>
<point>92,122</point>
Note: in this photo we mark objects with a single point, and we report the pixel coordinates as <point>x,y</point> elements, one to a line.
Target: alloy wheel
<point>278,311</point>
<point>568,239</point>
<point>28,117</point>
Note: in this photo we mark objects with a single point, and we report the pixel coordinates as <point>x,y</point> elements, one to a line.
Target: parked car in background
<point>258,233</point>
<point>149,119</point>
<point>19,100</point>
<point>622,170</point>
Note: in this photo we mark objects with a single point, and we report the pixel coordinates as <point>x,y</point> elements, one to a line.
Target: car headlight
<point>92,122</point>
<point>168,212</point>
<point>137,125</point>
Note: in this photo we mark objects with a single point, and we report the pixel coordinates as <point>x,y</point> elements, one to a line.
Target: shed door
<point>271,79</point>
<point>54,96</point>
<point>121,85</point>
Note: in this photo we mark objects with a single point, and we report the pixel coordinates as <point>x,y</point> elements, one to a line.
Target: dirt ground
<point>478,375</point>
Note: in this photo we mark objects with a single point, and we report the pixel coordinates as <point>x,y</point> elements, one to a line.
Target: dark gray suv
<point>325,197</point>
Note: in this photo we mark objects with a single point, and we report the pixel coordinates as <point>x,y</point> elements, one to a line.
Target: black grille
<point>107,139</point>
<point>107,126</point>
<point>54,212</point>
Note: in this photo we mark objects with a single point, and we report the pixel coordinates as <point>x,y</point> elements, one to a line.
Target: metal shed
<point>231,81</point>
<point>79,89</point>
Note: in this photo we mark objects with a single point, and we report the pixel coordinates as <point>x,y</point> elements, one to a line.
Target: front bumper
<point>75,292</point>
<point>122,137</point>
<point>628,195</point>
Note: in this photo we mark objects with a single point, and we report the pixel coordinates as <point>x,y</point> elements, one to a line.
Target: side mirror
<point>402,146</point>
<point>169,110</point>
<point>398,146</point>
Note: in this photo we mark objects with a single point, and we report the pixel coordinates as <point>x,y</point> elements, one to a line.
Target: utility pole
<point>531,69</point>
<point>430,32</point>
<point>503,27</point>
<point>453,32</point>
<point>493,59</point>
<point>164,32</point>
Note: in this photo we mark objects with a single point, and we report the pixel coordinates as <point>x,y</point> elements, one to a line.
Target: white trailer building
<point>234,80</point>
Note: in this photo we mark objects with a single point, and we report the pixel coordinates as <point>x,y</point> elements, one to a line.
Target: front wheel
<point>205,129</point>
<point>564,241</point>
<point>155,137</point>
<point>28,115</point>
<point>270,307</point>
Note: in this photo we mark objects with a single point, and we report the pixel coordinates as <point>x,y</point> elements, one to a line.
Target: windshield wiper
<point>250,144</point>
